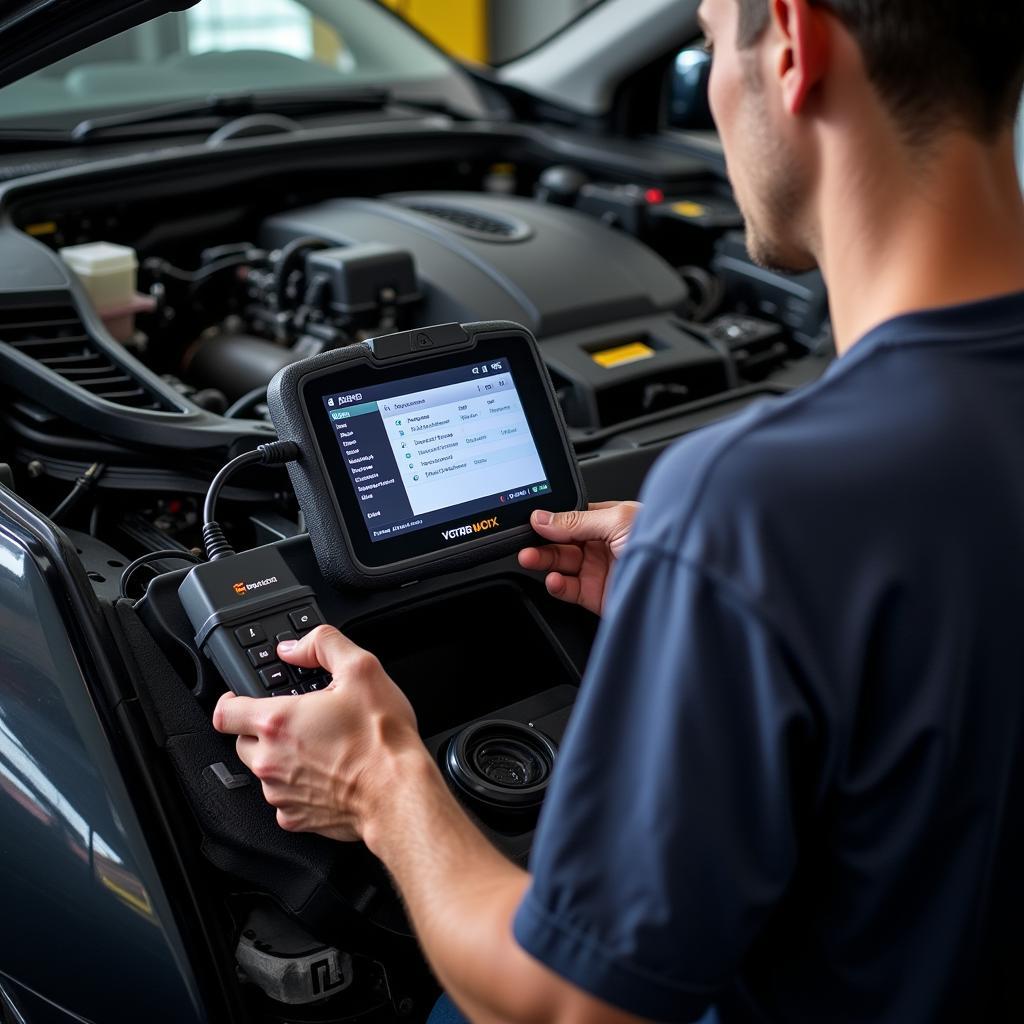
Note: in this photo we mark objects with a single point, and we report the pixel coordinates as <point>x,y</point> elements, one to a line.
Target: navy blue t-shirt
<point>793,784</point>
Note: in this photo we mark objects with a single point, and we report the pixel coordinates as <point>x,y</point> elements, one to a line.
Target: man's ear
<point>803,50</point>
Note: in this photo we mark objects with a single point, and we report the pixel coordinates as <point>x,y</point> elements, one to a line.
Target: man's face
<point>762,150</point>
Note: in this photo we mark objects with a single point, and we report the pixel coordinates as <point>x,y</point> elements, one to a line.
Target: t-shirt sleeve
<point>670,831</point>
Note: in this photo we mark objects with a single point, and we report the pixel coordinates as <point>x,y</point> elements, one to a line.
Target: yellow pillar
<point>326,43</point>
<point>457,26</point>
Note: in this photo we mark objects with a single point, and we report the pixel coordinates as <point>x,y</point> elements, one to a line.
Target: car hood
<point>36,33</point>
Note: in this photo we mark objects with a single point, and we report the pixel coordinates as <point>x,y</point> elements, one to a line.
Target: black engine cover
<point>483,257</point>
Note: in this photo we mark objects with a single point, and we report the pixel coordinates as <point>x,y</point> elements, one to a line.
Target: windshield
<point>232,46</point>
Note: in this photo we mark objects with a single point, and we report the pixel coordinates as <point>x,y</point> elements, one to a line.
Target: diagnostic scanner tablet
<point>424,451</point>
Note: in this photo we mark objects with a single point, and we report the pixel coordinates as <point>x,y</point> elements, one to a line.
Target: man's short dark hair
<point>934,62</point>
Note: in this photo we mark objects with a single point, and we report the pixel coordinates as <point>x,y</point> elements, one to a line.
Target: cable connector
<point>274,453</point>
<point>83,485</point>
<point>277,453</point>
<point>215,543</point>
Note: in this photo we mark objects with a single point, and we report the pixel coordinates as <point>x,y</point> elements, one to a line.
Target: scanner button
<point>262,655</point>
<point>251,634</point>
<point>304,618</point>
<point>273,676</point>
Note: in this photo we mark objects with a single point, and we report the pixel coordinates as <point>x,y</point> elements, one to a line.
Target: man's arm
<point>670,831</point>
<point>348,762</point>
<point>462,895</point>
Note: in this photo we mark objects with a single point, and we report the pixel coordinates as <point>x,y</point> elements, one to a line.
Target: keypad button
<point>297,691</point>
<point>274,676</point>
<point>283,637</point>
<point>262,655</point>
<point>317,679</point>
<point>252,634</point>
<point>304,618</point>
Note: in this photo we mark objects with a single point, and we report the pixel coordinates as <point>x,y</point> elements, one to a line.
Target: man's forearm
<point>461,894</point>
<point>381,784</point>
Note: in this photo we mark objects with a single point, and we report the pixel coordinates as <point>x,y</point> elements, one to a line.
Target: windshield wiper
<point>213,111</point>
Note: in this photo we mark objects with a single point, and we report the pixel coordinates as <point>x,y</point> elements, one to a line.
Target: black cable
<point>220,252</point>
<point>288,259</point>
<point>711,289</point>
<point>245,459</point>
<point>246,402</point>
<point>204,274</point>
<point>274,454</point>
<point>712,292</point>
<point>69,500</point>
<point>153,556</point>
<point>232,259</point>
<point>82,486</point>
<point>732,371</point>
<point>314,301</point>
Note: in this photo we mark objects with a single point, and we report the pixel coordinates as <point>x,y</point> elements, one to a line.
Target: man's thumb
<point>570,527</point>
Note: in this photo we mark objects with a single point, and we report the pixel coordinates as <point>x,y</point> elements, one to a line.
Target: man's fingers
<point>324,647</point>
<point>238,716</point>
<point>575,527</point>
<point>565,588</point>
<point>566,558</point>
<point>246,747</point>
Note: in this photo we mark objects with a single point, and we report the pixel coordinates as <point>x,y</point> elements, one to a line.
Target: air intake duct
<point>236,364</point>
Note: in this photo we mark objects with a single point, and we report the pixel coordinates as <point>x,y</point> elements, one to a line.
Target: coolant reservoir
<point>108,273</point>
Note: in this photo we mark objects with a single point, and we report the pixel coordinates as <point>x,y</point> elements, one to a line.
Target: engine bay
<point>644,302</point>
<point>117,412</point>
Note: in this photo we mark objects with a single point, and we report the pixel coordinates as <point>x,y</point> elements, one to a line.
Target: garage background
<point>489,31</point>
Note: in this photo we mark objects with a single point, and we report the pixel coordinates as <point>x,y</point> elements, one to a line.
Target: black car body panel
<point>35,33</point>
<point>87,922</point>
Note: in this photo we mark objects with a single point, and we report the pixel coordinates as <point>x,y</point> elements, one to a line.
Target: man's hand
<point>583,549</point>
<point>347,762</point>
<point>322,757</point>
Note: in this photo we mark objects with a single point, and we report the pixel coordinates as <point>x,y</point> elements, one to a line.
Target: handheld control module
<point>241,608</point>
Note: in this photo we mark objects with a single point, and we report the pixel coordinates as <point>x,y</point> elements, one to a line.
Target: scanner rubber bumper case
<point>417,352</point>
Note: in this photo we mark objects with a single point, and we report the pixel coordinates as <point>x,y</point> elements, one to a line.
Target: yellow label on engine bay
<point>622,354</point>
<point>690,210</point>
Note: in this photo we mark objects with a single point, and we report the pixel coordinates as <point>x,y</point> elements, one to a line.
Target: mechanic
<point>793,785</point>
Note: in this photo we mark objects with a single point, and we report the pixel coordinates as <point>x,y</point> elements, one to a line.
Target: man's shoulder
<point>903,413</point>
<point>774,456</point>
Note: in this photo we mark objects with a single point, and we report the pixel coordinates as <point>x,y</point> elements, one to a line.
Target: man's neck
<point>899,237</point>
